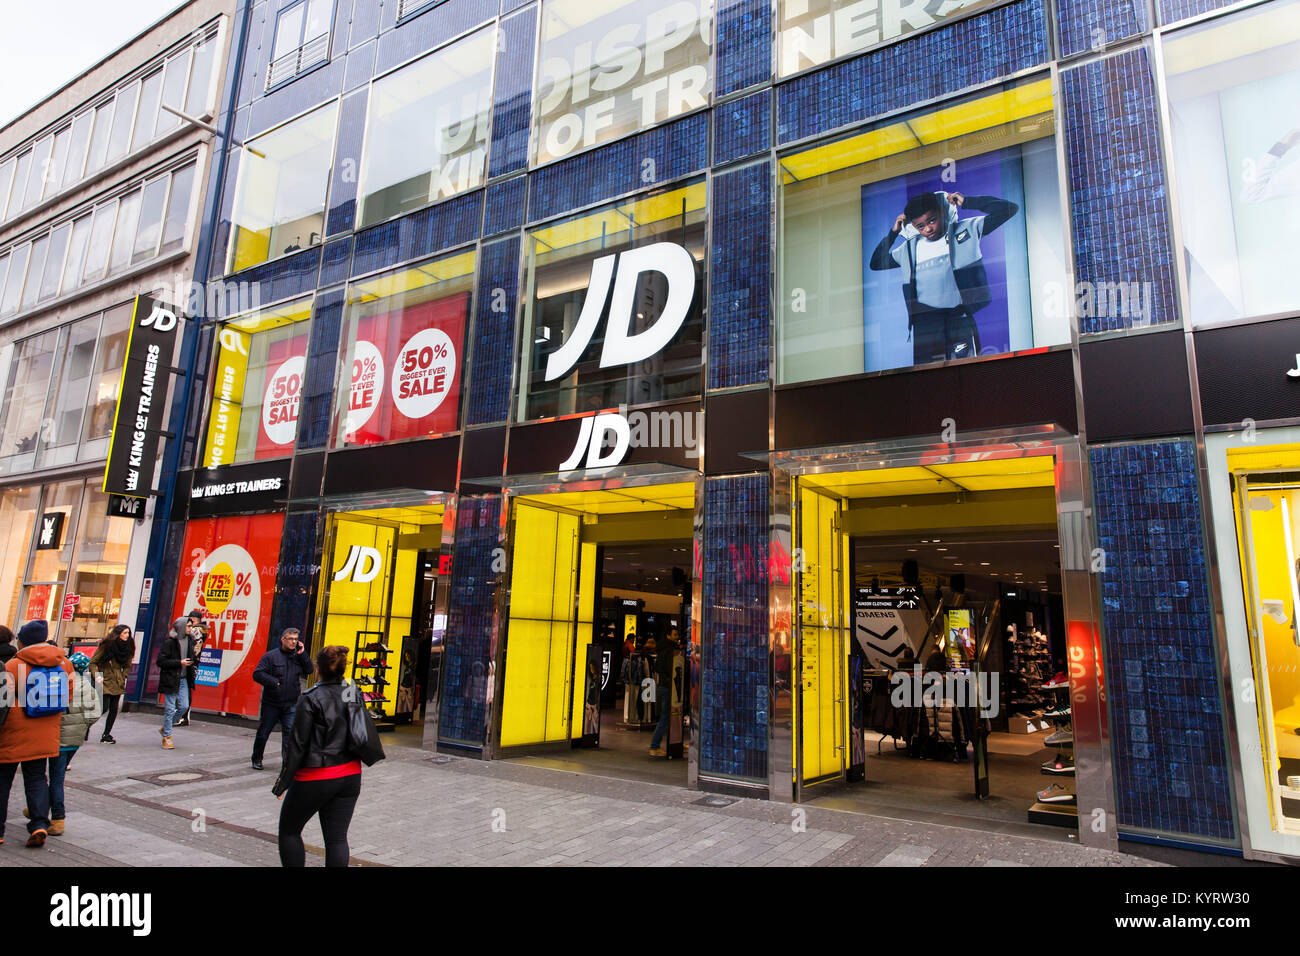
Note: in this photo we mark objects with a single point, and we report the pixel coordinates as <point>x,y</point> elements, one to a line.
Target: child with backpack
<point>84,708</point>
<point>33,698</point>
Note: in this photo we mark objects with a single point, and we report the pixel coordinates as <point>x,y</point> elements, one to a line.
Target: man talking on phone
<point>279,672</point>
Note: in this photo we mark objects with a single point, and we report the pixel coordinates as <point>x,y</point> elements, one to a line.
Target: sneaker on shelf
<point>1063,736</point>
<point>1058,713</point>
<point>1056,794</point>
<point>1058,680</point>
<point>1059,764</point>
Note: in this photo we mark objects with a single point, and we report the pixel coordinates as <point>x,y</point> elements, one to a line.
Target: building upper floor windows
<point>257,385</point>
<point>1236,160</point>
<point>122,123</point>
<point>302,39</point>
<point>611,67</point>
<point>279,203</point>
<point>150,219</point>
<point>427,129</point>
<point>60,392</point>
<point>932,237</point>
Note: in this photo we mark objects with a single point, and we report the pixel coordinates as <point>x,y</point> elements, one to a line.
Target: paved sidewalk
<point>212,809</point>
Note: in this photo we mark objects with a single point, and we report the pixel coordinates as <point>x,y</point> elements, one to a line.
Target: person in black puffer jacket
<point>320,772</point>
<point>279,672</point>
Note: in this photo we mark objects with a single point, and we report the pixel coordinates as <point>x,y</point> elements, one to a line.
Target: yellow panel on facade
<point>586,610</point>
<point>822,649</point>
<point>1267,458</point>
<point>540,636</point>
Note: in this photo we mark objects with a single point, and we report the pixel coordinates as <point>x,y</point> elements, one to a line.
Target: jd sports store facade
<point>562,276</point>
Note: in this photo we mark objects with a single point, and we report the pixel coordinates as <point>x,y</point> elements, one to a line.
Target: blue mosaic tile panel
<point>504,206</point>
<point>420,234</point>
<point>294,581</point>
<point>512,94</point>
<point>471,633</point>
<point>494,333</point>
<point>339,41</point>
<point>743,127</point>
<point>429,29</point>
<point>336,260</point>
<point>669,152</point>
<point>1171,11</point>
<point>1162,688</point>
<point>365,21</point>
<point>347,163</point>
<point>361,66</point>
<point>734,691</point>
<point>1117,176</point>
<point>744,52</point>
<point>740,303</point>
<point>972,51</point>
<point>509,5</point>
<point>278,279</point>
<point>253,67</point>
<point>322,366</point>
<point>221,235</point>
<point>1091,24</point>
<point>314,87</point>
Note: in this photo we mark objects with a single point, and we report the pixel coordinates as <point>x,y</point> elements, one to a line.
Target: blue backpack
<point>46,692</point>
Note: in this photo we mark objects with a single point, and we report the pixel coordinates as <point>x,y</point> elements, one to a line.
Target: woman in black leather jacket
<point>320,772</point>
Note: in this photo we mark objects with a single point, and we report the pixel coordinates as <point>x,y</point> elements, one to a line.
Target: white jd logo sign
<point>621,348</point>
<point>362,565</point>
<point>163,320</point>
<point>591,438</point>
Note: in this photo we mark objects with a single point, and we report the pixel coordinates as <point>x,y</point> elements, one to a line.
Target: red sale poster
<point>286,366</point>
<point>405,372</point>
<point>228,572</point>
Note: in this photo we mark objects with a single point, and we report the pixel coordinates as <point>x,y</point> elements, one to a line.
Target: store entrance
<point>931,641</point>
<point>600,592</point>
<point>379,600</point>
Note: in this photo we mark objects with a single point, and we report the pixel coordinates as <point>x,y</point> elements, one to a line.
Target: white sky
<point>45,44</point>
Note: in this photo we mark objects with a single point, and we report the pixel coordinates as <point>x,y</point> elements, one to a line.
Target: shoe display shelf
<point>1062,811</point>
<point>370,669</point>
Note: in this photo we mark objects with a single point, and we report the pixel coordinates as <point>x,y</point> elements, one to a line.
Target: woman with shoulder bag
<point>322,764</point>
<point>112,661</point>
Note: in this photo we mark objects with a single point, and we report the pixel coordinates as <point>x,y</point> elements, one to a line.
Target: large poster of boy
<point>945,271</point>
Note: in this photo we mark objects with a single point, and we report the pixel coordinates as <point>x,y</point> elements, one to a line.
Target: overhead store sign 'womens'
<point>137,424</point>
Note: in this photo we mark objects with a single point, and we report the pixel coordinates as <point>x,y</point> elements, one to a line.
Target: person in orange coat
<point>26,741</point>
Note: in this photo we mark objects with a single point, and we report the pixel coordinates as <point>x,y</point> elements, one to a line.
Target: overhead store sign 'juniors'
<point>133,449</point>
<point>611,67</point>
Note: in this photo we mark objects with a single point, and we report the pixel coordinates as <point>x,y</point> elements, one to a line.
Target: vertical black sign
<point>133,449</point>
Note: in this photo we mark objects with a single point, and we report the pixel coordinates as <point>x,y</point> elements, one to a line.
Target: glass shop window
<point>930,238</point>
<point>98,571</point>
<point>257,385</point>
<point>427,130</point>
<point>403,345</point>
<point>614,306</point>
<point>17,520</point>
<point>611,67</point>
<point>1236,159</point>
<point>30,374</point>
<point>280,196</point>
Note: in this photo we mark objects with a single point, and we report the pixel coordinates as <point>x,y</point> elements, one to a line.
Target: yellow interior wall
<point>539,666</point>
<point>821,666</point>
<point>1274,580</point>
<point>356,606</point>
<point>399,623</point>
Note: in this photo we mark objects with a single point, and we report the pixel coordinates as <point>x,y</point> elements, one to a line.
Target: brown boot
<point>167,744</point>
<point>56,828</point>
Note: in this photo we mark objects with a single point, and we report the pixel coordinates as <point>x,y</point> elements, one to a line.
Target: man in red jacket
<point>26,741</point>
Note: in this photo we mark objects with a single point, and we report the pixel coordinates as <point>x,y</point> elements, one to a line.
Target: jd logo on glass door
<point>622,346</point>
<point>362,565</point>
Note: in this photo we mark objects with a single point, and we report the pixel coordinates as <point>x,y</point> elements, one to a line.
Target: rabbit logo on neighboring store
<point>227,589</point>
<point>622,346</point>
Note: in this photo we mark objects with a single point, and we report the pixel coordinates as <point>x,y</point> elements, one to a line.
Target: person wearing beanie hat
<point>33,632</point>
<point>84,708</point>
<point>8,647</point>
<point>30,741</point>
